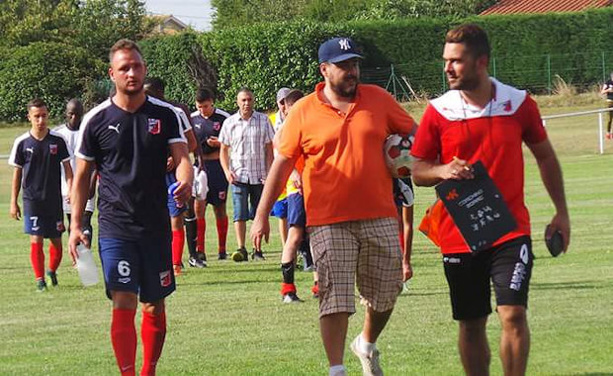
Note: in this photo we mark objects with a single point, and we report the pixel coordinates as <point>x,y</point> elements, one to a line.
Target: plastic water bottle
<point>88,272</point>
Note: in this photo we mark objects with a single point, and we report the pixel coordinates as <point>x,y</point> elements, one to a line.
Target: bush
<point>52,71</point>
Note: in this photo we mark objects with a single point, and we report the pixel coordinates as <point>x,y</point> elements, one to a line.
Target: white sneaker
<point>370,362</point>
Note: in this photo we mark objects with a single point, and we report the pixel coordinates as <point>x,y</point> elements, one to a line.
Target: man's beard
<point>344,90</point>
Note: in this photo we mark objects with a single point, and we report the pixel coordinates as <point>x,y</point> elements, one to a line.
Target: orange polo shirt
<point>344,177</point>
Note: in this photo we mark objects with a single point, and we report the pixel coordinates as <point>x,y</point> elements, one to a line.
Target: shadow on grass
<point>570,285</point>
<point>587,374</point>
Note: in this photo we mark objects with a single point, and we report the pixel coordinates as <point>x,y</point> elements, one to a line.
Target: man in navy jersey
<point>207,125</point>
<point>70,131</point>
<point>37,156</point>
<point>127,138</point>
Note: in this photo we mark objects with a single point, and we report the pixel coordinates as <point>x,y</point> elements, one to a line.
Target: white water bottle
<point>88,272</point>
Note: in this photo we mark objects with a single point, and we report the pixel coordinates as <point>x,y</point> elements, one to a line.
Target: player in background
<point>70,131</point>
<point>37,156</point>
<point>607,90</point>
<point>482,119</point>
<point>279,209</point>
<point>154,87</point>
<point>207,122</point>
<point>127,138</point>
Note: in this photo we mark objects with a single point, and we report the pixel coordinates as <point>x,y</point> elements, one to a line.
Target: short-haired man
<point>481,119</point>
<point>127,138</point>
<point>246,155</point>
<point>340,130</point>
<point>208,121</point>
<point>607,90</point>
<point>37,156</point>
<point>70,131</point>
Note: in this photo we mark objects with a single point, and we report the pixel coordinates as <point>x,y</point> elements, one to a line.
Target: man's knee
<point>513,317</point>
<point>474,327</point>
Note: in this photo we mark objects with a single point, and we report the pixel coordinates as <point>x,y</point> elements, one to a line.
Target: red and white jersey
<point>450,128</point>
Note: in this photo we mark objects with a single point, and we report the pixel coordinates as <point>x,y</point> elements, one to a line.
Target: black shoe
<point>257,256</point>
<point>41,285</point>
<point>244,253</point>
<point>291,297</point>
<point>53,277</point>
<point>196,262</point>
<point>222,255</point>
<point>202,257</point>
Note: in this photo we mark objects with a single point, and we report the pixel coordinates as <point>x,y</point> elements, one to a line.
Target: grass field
<point>228,319</point>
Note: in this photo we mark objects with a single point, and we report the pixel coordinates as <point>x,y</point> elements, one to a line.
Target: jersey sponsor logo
<point>216,125</point>
<point>523,253</point>
<point>124,280</point>
<point>452,260</point>
<point>519,274</point>
<point>154,126</point>
<point>222,195</point>
<point>165,278</point>
<point>115,127</point>
<point>53,149</point>
<point>452,195</point>
<point>344,44</point>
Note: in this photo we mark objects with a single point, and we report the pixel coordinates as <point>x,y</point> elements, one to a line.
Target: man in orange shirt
<point>339,130</point>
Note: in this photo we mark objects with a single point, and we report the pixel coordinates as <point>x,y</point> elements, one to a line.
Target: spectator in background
<point>607,89</point>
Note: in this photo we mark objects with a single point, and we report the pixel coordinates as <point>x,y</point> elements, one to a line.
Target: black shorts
<point>218,185</point>
<point>508,266</point>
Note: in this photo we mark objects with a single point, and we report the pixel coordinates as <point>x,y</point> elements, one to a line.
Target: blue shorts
<point>218,185</point>
<point>245,198</point>
<point>142,266</point>
<point>42,223</point>
<point>173,210</point>
<point>296,215</point>
<point>279,210</point>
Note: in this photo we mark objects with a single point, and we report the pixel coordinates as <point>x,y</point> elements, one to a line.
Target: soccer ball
<point>397,152</point>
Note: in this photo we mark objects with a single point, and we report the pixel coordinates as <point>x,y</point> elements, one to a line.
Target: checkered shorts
<point>364,252</point>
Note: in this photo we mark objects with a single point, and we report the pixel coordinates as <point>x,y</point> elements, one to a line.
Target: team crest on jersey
<point>165,279</point>
<point>53,149</point>
<point>154,126</point>
<point>217,126</point>
<point>59,226</point>
<point>506,106</point>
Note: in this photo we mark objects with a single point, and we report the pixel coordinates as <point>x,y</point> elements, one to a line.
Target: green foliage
<point>53,71</point>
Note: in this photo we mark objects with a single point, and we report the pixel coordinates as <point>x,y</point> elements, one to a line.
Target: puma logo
<point>115,128</point>
<point>31,150</point>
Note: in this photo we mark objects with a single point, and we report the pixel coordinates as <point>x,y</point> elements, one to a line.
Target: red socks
<point>200,230</point>
<point>37,258</point>
<point>153,333</point>
<point>286,288</point>
<point>222,233</point>
<point>123,338</point>
<point>178,242</point>
<point>55,257</point>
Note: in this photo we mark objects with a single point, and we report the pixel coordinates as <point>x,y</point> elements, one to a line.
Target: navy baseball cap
<point>338,49</point>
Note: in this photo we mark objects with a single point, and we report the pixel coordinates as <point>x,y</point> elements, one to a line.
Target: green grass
<point>228,319</point>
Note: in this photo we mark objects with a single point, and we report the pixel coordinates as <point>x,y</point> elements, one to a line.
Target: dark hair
<point>205,94</point>
<point>155,84</point>
<point>471,35</point>
<point>123,44</point>
<point>36,103</point>
<point>293,96</point>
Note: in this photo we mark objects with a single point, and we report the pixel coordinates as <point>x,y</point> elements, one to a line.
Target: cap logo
<point>344,44</point>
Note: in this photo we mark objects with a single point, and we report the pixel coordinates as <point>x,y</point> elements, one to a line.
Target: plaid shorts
<point>364,252</point>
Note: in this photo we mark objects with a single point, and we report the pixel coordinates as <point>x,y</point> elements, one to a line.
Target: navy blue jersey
<point>129,150</point>
<point>208,127</point>
<point>609,85</point>
<point>40,161</point>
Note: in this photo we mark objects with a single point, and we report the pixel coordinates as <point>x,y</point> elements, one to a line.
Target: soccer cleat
<point>177,269</point>
<point>196,262</point>
<point>291,297</point>
<point>222,255</point>
<point>244,253</point>
<point>41,285</point>
<point>53,277</point>
<point>257,255</point>
<point>370,362</point>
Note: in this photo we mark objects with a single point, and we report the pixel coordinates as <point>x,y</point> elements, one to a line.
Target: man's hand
<point>457,169</point>
<point>170,164</point>
<point>407,270</point>
<point>76,237</point>
<point>213,142</point>
<point>560,223</point>
<point>15,211</point>
<point>182,193</point>
<point>231,177</point>
<point>260,229</point>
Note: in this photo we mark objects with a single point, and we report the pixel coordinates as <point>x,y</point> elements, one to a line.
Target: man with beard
<point>127,138</point>
<point>481,119</point>
<point>340,130</point>
<point>70,131</point>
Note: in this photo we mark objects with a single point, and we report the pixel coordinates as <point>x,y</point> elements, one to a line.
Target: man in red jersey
<point>481,119</point>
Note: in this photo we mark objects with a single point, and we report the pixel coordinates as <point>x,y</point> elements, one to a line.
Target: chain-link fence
<point>536,73</point>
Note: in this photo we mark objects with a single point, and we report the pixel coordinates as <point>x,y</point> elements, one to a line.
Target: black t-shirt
<point>129,150</point>
<point>40,162</point>
<point>208,127</point>
<point>609,85</point>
